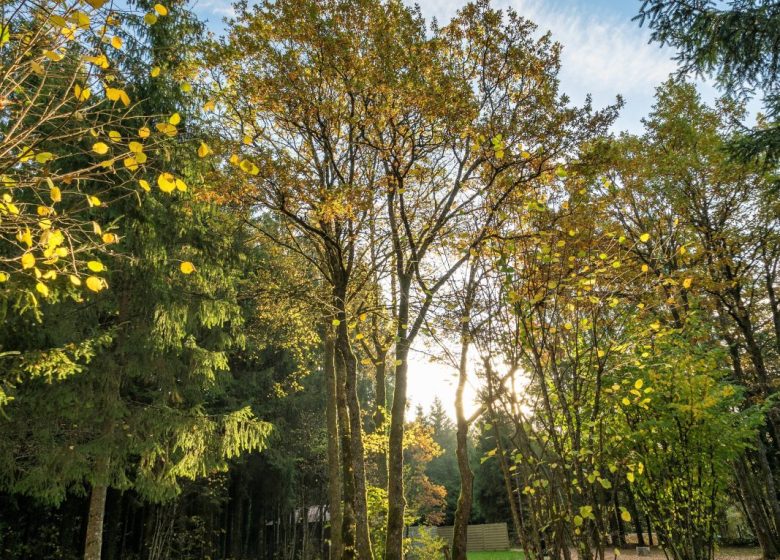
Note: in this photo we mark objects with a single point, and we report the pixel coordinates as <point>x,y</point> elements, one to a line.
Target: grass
<point>500,555</point>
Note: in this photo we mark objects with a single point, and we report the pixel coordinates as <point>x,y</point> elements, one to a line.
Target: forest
<point>223,252</point>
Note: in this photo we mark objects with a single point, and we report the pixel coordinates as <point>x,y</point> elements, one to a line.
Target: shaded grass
<point>500,555</point>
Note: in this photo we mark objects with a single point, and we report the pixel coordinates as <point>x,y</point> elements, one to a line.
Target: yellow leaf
<point>144,132</point>
<point>100,148</point>
<point>687,283</point>
<point>645,268</point>
<point>644,238</point>
<point>115,94</point>
<point>131,163</point>
<point>93,201</point>
<point>114,136</point>
<point>160,9</point>
<point>140,157</point>
<point>53,56</point>
<point>4,277</point>
<point>181,185</point>
<point>203,150</point>
<point>335,322</point>
<point>42,289</point>
<point>97,4</point>
<point>28,261</point>
<point>95,284</point>
<point>109,238</point>
<point>625,401</point>
<point>135,147</point>
<point>155,72</point>
<point>175,119</point>
<point>150,19</point>
<point>639,383</point>
<point>186,87</point>
<point>166,182</point>
<point>75,280</point>
<point>95,266</point>
<point>167,129</point>
<point>116,42</point>
<point>630,476</point>
<point>208,106</point>
<point>187,267</point>
<point>144,185</point>
<point>625,516</point>
<point>82,94</point>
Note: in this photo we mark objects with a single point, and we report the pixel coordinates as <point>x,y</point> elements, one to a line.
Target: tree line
<point>217,253</point>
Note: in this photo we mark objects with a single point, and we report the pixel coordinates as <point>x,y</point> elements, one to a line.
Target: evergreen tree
<point>738,44</point>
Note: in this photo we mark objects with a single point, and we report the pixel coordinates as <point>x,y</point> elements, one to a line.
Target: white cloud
<point>604,53</point>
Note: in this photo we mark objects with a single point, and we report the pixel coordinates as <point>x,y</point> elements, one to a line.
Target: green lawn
<point>502,555</point>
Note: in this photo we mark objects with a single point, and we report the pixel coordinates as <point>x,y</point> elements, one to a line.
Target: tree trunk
<point>334,461</point>
<point>507,476</point>
<point>348,529</point>
<point>379,417</point>
<point>97,508</point>
<point>640,536</point>
<point>395,482</point>
<point>466,495</point>
<point>346,354</point>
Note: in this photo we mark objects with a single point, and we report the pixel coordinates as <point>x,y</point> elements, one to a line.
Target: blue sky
<point>605,53</point>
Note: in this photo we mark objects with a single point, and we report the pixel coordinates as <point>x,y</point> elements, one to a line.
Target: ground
<point>723,554</point>
<point>628,554</point>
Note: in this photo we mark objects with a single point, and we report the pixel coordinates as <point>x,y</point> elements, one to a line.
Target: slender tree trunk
<point>757,515</point>
<point>396,503</point>
<point>506,475</point>
<point>334,461</point>
<point>363,537</point>
<point>466,495</point>
<point>640,536</point>
<point>395,481</point>
<point>348,529</point>
<point>97,508</point>
<point>379,417</point>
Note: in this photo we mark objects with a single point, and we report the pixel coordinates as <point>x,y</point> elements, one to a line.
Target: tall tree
<point>735,42</point>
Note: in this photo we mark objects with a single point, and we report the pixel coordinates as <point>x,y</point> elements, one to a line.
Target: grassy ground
<point>628,554</point>
<point>503,555</point>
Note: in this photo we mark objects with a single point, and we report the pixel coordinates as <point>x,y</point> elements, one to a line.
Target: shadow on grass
<point>499,555</point>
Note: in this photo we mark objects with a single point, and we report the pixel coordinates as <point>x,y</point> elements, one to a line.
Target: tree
<point>73,141</point>
<point>141,414</point>
<point>458,135</point>
<point>706,221</point>
<point>737,45</point>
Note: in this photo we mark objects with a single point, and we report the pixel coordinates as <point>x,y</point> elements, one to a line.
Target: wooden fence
<point>487,537</point>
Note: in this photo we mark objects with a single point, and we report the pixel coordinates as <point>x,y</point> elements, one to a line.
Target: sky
<point>605,53</point>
